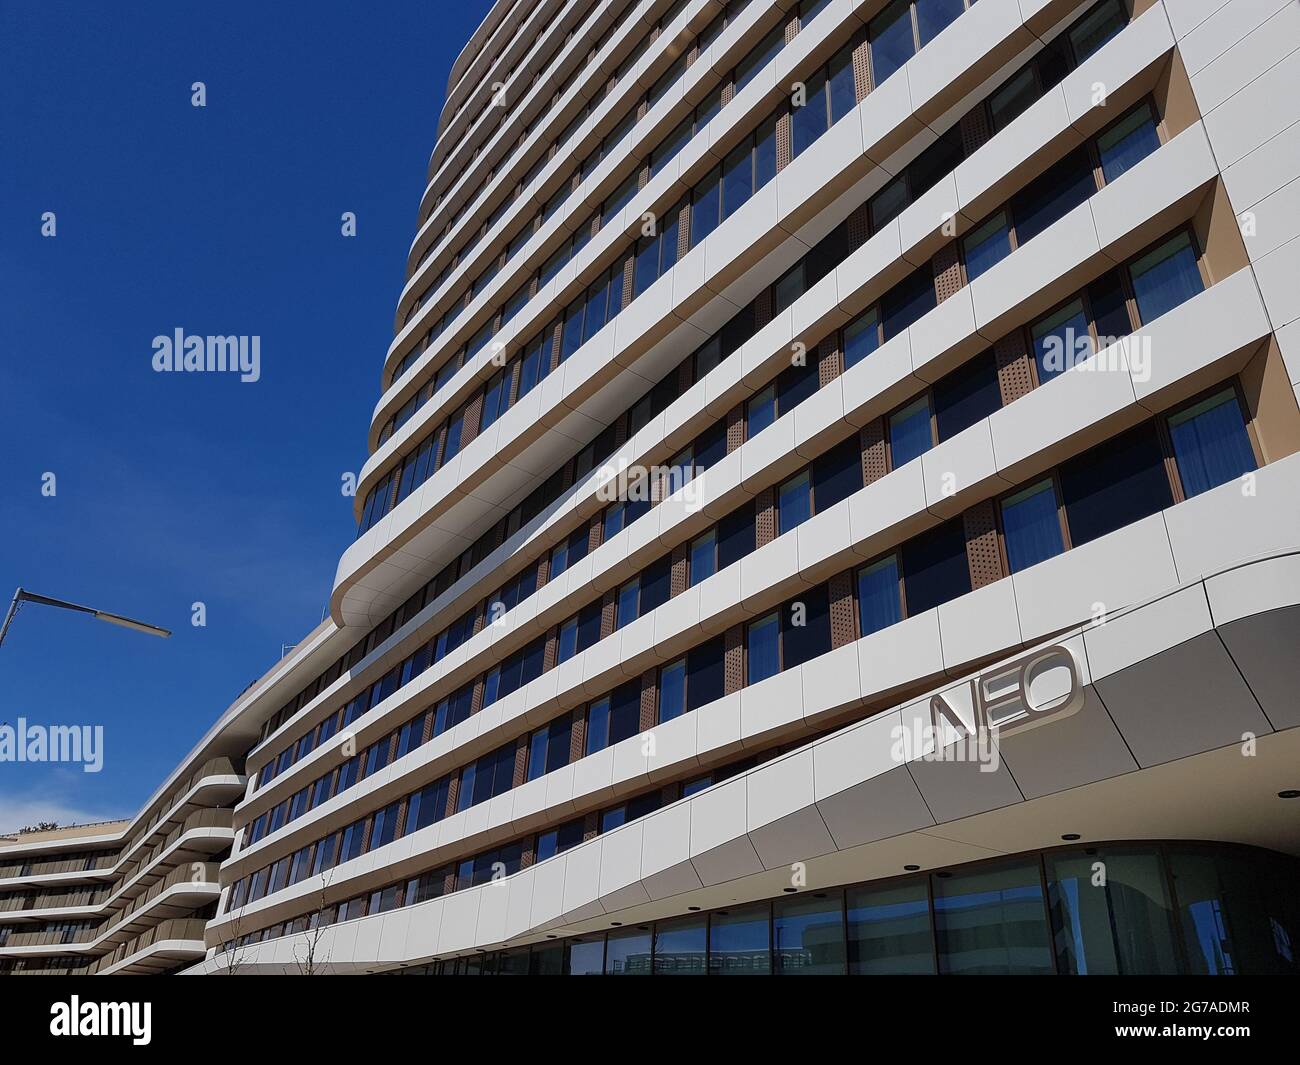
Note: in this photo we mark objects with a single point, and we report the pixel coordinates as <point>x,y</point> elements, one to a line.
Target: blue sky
<point>173,489</point>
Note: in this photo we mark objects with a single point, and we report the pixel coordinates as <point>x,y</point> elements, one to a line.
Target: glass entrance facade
<point>1116,909</point>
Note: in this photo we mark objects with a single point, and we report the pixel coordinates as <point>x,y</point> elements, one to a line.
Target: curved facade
<point>827,449</point>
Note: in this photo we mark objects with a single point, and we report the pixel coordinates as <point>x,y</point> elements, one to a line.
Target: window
<point>428,806</point>
<point>706,203</point>
<point>889,930</point>
<point>808,935</point>
<point>737,179</point>
<point>627,953</point>
<point>809,10</point>
<point>764,649</point>
<point>907,301</point>
<point>932,16</point>
<point>1013,98</point>
<point>809,121</point>
<point>1096,28</point>
<point>760,412</point>
<point>988,245</point>
<point>656,582</point>
<point>704,674</point>
<point>759,56</point>
<point>614,520</point>
<point>843,91</point>
<point>681,946</point>
<point>861,338</point>
<point>703,558</point>
<point>385,829</point>
<point>1061,340</point>
<point>837,474</point>
<point>614,718</point>
<point>559,840</point>
<point>879,604</point>
<point>805,627</point>
<point>794,503</point>
<point>888,203</point>
<point>967,395</point>
<point>1116,483</point>
<point>672,690</point>
<point>788,288</point>
<point>735,536</point>
<point>1031,526</point>
<point>628,596</point>
<point>935,569</point>
<point>739,942</point>
<point>892,42</point>
<point>1210,443</point>
<point>548,750</point>
<point>1166,277</point>
<point>1128,142</point>
<point>910,435</point>
<point>598,310</point>
<point>1085,915</point>
<point>587,956</point>
<point>992,920</point>
<point>1053,195</point>
<point>571,333</point>
<point>496,397</point>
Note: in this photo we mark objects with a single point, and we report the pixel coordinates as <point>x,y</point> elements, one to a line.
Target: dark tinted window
<point>1115,484</point>
<point>966,395</point>
<point>935,568</point>
<point>837,474</point>
<point>704,679</point>
<point>801,642</point>
<point>907,301</point>
<point>1053,195</point>
<point>736,536</point>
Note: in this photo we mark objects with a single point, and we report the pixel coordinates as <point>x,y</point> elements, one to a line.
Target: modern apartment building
<point>833,506</point>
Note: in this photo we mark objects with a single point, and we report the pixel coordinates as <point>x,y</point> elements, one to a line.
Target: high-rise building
<point>833,506</point>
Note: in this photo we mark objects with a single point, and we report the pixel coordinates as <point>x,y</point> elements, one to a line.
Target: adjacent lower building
<point>833,506</point>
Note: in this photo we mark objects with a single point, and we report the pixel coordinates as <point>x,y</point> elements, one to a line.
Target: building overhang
<point>1172,719</point>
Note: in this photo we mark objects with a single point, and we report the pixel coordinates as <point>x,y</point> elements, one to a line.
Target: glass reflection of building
<point>1121,909</point>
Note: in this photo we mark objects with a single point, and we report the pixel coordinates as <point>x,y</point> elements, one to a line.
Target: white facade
<point>1180,623</point>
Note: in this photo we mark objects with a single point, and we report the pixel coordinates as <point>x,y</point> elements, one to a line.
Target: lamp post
<point>21,597</point>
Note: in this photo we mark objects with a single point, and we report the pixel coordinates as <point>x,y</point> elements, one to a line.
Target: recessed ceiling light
<point>789,890</point>
<point>693,909</point>
<point>1290,793</point>
<point>1071,836</point>
<point>911,868</point>
<point>615,924</point>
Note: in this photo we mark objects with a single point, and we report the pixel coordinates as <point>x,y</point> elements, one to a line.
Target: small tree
<point>307,955</point>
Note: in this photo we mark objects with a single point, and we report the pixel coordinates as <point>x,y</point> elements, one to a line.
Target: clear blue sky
<point>178,488</point>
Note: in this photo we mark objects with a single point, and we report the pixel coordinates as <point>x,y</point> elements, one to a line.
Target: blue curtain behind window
<point>878,605</point>
<point>1129,150</point>
<point>1167,283</point>
<point>909,435</point>
<point>1212,447</point>
<point>1032,528</point>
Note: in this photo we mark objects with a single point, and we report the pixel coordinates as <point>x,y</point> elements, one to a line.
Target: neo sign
<point>1038,687</point>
